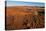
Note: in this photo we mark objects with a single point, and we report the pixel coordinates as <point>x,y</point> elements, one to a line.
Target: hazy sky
<point>20,3</point>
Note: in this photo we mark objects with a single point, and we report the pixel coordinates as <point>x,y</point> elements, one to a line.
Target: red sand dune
<point>23,17</point>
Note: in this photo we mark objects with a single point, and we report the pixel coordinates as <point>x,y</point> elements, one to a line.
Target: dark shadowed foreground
<point>24,17</point>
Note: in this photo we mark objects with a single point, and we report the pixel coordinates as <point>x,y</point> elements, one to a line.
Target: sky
<point>21,3</point>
